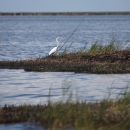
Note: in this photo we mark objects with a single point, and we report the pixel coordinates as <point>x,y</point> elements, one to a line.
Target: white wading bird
<point>55,48</point>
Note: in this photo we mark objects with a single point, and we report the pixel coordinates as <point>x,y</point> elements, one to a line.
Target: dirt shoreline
<point>108,63</point>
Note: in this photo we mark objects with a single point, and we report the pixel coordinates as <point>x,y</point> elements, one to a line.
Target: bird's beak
<point>60,38</point>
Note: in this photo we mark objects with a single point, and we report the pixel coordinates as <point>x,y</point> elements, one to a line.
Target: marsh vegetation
<point>100,58</point>
<point>67,113</point>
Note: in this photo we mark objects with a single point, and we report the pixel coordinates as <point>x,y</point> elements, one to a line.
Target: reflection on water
<point>18,86</point>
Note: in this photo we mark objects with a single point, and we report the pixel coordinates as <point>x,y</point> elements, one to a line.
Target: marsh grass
<point>107,114</point>
<point>100,58</point>
<point>99,47</point>
<point>80,115</point>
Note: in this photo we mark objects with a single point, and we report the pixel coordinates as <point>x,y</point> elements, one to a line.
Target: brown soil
<point>116,62</point>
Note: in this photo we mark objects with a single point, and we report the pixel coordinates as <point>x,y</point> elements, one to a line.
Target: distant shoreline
<point>63,13</point>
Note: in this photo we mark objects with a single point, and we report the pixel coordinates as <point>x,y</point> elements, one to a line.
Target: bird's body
<point>55,48</point>
<point>53,51</point>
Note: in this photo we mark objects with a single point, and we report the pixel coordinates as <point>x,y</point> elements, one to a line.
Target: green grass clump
<point>100,48</point>
<point>104,115</point>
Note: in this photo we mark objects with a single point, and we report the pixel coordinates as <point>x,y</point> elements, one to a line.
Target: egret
<point>55,48</point>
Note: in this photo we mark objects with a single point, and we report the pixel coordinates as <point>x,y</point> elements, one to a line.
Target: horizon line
<point>69,13</point>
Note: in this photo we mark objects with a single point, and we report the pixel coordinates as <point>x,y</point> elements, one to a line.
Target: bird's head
<point>58,38</point>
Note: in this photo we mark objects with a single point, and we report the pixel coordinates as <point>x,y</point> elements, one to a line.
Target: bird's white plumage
<point>55,48</point>
<point>53,51</point>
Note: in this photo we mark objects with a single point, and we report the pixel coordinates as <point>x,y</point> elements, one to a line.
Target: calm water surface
<point>19,87</point>
<point>23,37</point>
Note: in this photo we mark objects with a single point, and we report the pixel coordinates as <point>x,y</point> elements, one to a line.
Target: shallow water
<point>23,37</point>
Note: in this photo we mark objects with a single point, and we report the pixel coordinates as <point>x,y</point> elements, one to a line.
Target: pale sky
<point>63,5</point>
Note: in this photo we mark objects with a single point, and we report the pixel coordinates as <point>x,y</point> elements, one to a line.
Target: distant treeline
<point>64,13</point>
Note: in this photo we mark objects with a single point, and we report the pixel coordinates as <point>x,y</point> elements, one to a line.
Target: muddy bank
<point>116,62</point>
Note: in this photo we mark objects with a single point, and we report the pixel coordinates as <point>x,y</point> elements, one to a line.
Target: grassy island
<point>99,59</point>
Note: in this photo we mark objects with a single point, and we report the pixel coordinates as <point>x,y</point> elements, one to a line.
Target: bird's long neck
<point>57,42</point>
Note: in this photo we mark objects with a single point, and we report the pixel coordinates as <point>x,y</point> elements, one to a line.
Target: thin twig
<point>71,34</point>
